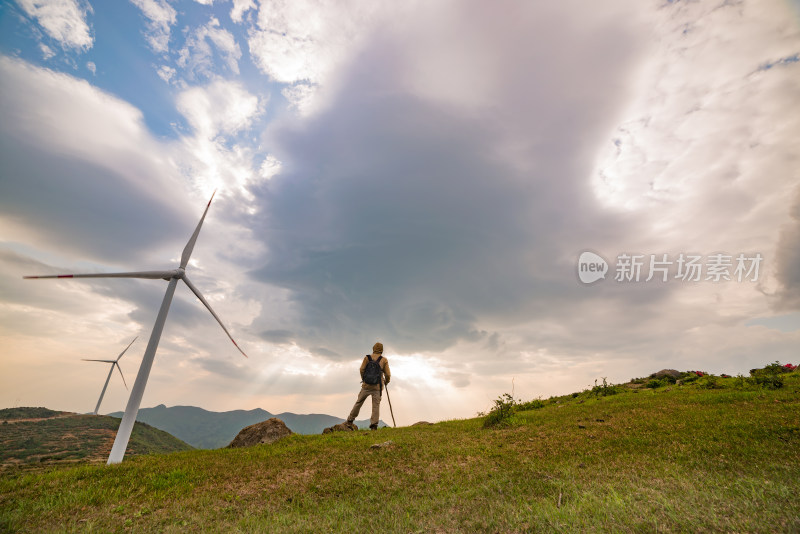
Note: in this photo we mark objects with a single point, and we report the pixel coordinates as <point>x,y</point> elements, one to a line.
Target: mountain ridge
<point>205,429</point>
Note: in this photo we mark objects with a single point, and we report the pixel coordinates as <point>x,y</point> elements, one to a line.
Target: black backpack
<point>372,372</point>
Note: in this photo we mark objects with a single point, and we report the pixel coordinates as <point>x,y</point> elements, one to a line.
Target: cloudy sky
<point>426,174</point>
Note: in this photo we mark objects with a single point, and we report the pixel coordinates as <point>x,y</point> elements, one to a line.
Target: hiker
<point>374,373</point>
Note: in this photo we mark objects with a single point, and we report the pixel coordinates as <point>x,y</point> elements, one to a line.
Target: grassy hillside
<point>709,456</point>
<point>37,435</point>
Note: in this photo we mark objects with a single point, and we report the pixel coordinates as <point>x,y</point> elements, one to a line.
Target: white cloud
<point>240,7</point>
<point>219,114</point>
<point>300,97</point>
<point>221,108</point>
<point>47,52</point>
<point>92,67</point>
<point>160,18</point>
<point>63,20</point>
<point>197,56</point>
<point>305,40</point>
<point>166,73</point>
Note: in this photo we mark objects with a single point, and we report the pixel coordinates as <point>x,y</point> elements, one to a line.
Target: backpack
<point>373,371</point>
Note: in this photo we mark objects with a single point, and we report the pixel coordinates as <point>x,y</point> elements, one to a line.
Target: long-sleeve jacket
<point>384,363</point>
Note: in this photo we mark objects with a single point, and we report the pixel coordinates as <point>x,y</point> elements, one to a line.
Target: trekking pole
<point>386,387</point>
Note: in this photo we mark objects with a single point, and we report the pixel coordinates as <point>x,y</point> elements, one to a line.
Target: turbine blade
<point>126,348</point>
<point>187,252</point>
<point>104,361</point>
<point>207,305</point>
<point>143,274</point>
<point>120,374</point>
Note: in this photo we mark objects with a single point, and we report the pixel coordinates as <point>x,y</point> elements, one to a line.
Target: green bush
<point>709,382</point>
<point>657,383</point>
<point>502,413</point>
<point>604,389</point>
<point>535,404</point>
<point>770,377</point>
<point>688,377</point>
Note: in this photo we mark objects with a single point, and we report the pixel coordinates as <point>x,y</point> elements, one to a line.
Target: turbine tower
<point>171,276</point>
<point>114,363</point>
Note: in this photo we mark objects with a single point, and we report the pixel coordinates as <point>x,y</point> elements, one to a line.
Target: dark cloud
<point>79,171</point>
<point>404,218</point>
<point>81,206</point>
<point>277,336</point>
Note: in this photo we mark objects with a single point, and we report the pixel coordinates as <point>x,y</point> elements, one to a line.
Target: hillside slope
<point>37,435</point>
<point>676,458</point>
<point>204,429</point>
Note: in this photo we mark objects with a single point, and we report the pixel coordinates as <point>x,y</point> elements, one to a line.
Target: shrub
<point>689,377</point>
<point>709,382</point>
<point>604,389</point>
<point>660,383</point>
<point>535,404</point>
<point>502,413</point>
<point>770,377</point>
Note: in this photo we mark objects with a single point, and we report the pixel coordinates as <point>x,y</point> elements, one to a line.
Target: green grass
<point>681,458</point>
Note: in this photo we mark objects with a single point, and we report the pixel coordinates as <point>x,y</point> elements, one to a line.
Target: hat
<point>377,348</point>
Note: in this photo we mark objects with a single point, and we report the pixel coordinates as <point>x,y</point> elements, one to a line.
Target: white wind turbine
<point>114,363</point>
<point>172,276</point>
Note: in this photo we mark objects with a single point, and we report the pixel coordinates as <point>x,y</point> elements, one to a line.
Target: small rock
<point>382,445</point>
<point>600,420</point>
<point>341,427</point>
<point>581,426</point>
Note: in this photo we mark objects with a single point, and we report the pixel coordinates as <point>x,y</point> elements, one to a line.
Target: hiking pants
<point>376,405</point>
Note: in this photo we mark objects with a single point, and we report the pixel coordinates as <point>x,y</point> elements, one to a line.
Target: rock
<point>382,445</point>
<point>666,372</point>
<point>268,431</point>
<point>421,423</point>
<point>341,427</point>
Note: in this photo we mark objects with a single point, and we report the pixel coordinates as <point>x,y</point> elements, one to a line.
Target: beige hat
<point>377,348</point>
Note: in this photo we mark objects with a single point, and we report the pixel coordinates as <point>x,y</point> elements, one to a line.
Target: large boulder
<point>268,431</point>
<point>341,427</point>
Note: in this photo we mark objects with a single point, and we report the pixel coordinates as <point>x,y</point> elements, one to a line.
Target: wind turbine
<point>114,363</point>
<point>172,276</point>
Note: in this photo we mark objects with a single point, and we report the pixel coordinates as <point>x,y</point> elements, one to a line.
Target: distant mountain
<point>211,430</point>
<point>36,435</point>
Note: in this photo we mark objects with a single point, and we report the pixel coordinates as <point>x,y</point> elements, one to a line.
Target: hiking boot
<point>373,427</point>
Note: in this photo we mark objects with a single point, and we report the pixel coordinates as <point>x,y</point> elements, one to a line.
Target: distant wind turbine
<point>172,276</point>
<point>114,363</point>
